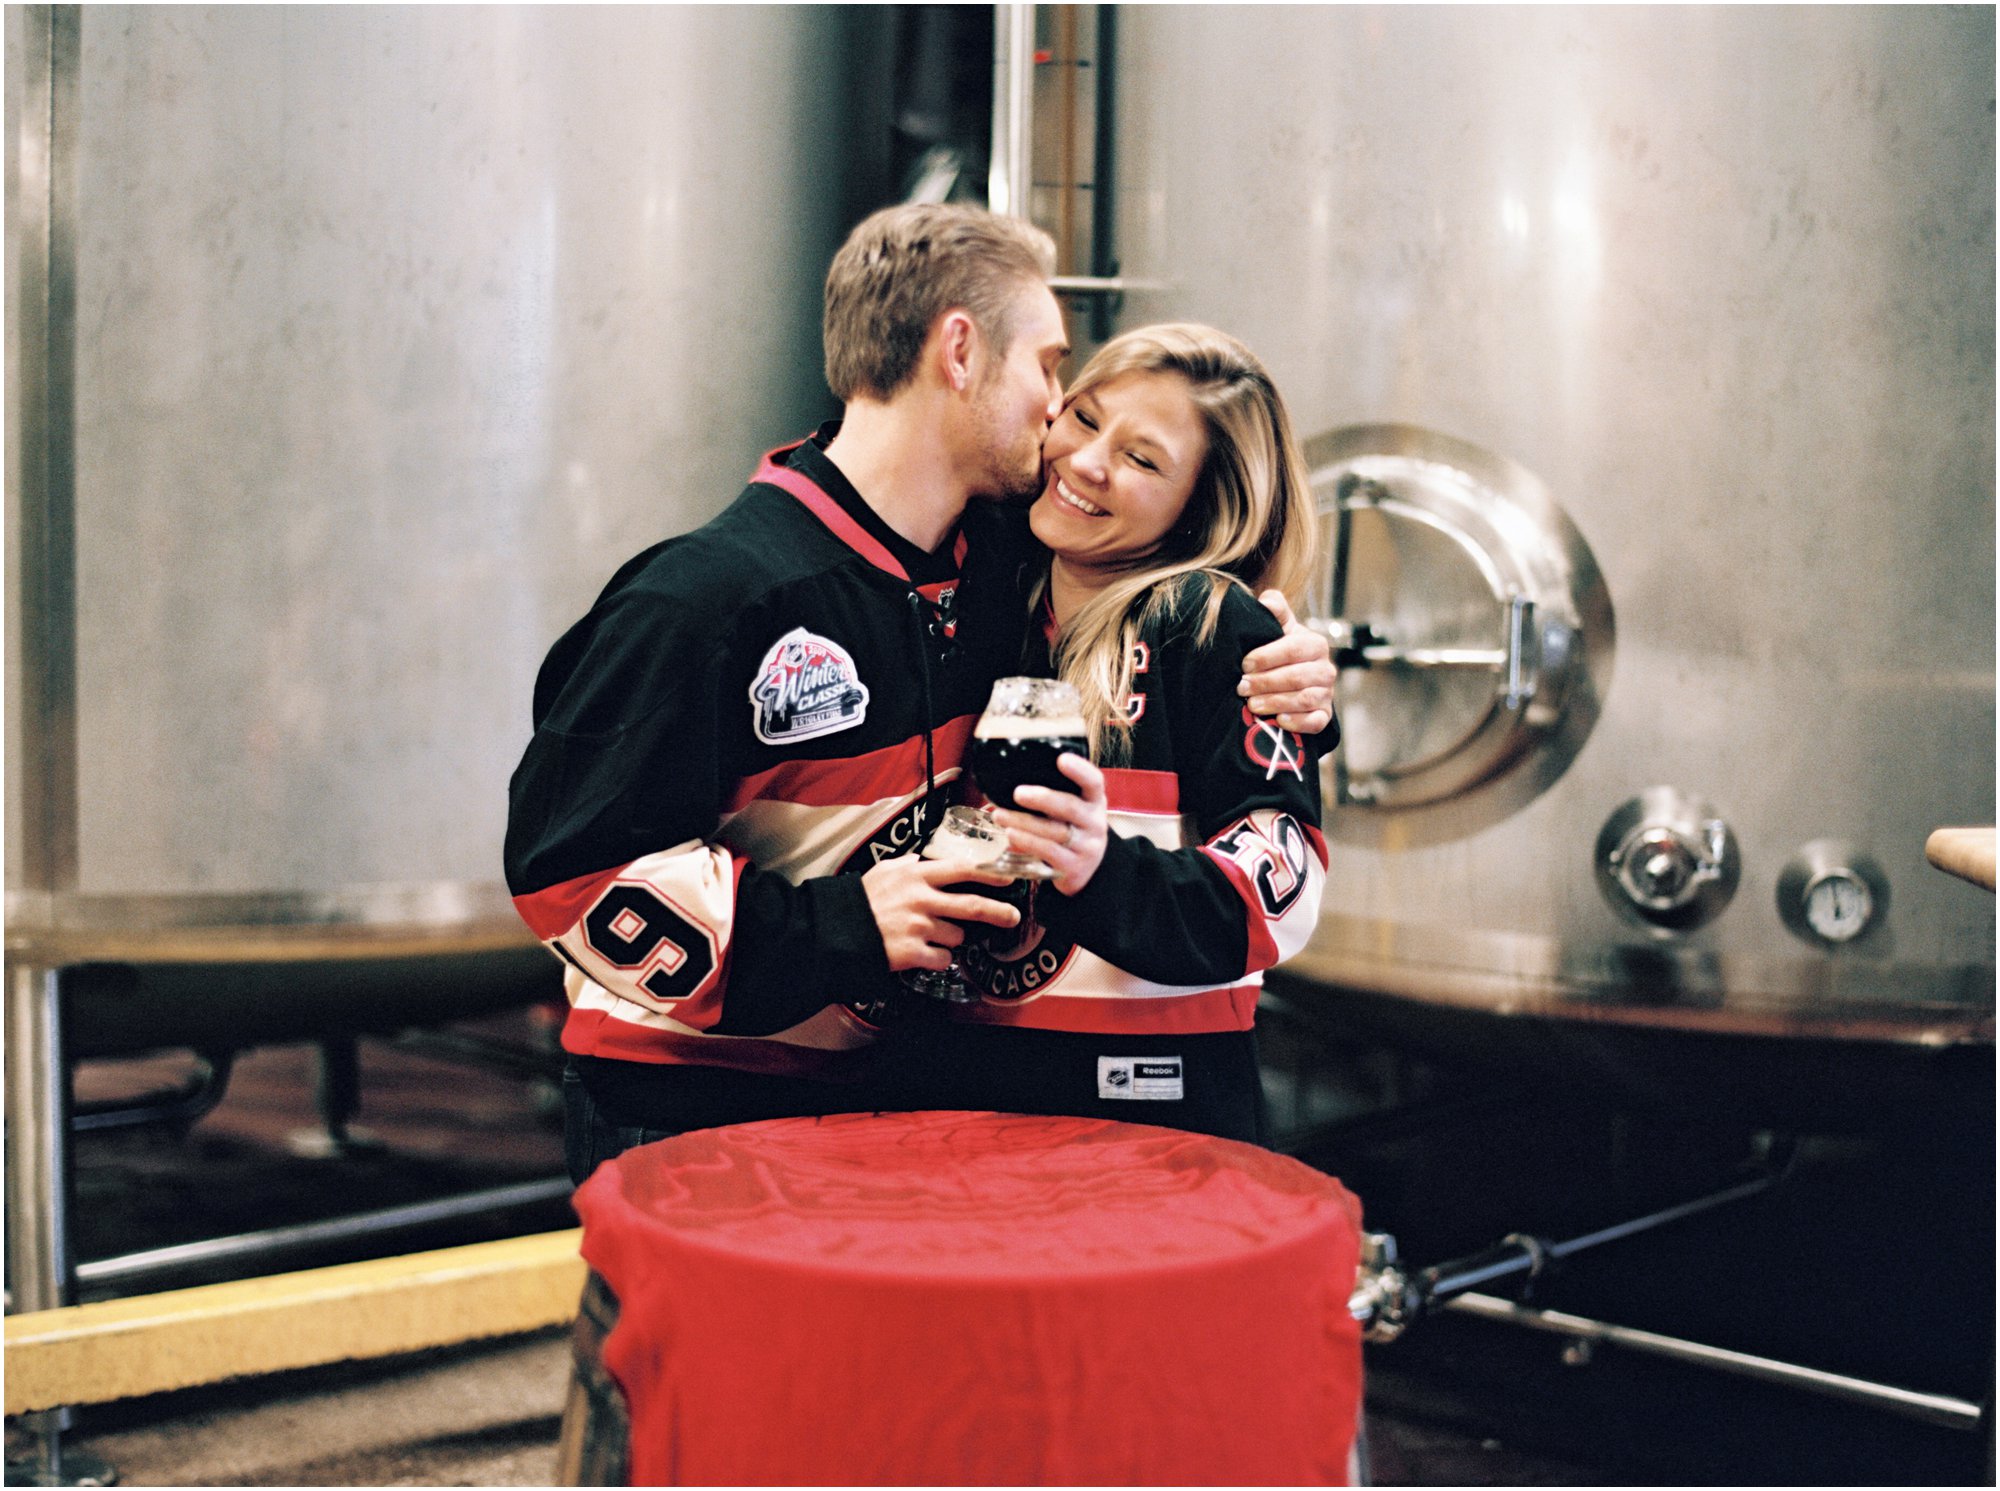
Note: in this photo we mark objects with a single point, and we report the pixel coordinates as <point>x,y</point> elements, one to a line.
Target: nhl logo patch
<point>806,686</point>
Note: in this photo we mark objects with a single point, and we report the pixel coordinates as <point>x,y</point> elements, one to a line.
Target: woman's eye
<point>1084,419</point>
<point>1144,464</point>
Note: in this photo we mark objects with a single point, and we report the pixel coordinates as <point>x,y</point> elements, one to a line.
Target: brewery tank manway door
<point>1472,628</point>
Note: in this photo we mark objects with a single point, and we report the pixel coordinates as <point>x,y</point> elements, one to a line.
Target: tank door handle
<point>1356,644</point>
<point>1715,850</point>
<point>1521,668</point>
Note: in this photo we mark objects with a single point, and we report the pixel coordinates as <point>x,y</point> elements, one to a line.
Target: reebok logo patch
<point>1154,1078</point>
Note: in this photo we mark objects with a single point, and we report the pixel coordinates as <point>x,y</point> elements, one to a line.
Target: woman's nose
<point>1088,461</point>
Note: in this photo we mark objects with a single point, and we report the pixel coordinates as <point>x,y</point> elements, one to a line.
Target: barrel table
<point>966,1298</point>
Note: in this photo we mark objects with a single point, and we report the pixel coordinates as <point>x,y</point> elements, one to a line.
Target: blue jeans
<point>589,1137</point>
<point>612,1106</point>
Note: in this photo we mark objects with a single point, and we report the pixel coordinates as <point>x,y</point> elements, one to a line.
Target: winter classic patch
<point>806,686</point>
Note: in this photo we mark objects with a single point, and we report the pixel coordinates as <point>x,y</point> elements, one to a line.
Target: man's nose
<point>1053,409</point>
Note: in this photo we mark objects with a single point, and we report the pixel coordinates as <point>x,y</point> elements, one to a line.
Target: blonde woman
<point>1173,492</point>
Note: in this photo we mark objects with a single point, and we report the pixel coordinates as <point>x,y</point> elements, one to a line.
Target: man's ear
<point>959,347</point>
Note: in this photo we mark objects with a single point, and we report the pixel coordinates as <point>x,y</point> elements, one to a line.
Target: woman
<point>1173,491</point>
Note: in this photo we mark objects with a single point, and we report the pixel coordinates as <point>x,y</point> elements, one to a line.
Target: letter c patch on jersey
<point>1272,749</point>
<point>806,686</point>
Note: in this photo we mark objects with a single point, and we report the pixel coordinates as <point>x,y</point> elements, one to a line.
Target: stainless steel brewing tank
<point>1722,280</point>
<point>396,330</point>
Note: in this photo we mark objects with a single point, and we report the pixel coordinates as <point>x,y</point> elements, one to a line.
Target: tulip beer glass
<point>968,836</point>
<point>1028,723</point>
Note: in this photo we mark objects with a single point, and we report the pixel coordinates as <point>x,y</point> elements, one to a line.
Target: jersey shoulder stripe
<point>1131,790</point>
<point>848,780</point>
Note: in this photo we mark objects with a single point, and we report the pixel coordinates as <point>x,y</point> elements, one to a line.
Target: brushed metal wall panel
<point>1724,279</point>
<point>399,328</point>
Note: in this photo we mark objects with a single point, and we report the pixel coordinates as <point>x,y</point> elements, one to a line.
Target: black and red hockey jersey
<point>749,715</point>
<point>1215,864</point>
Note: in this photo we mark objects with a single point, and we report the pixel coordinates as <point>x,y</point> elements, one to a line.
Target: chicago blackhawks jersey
<point>749,716</point>
<point>1215,864</point>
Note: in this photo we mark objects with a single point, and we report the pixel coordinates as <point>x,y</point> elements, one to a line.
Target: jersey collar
<point>803,470</point>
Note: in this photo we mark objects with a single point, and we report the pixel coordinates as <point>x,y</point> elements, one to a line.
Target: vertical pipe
<point>44,601</point>
<point>1009,178</point>
<point>43,473</point>
<point>1066,75</point>
<point>37,1113</point>
<point>41,481</point>
<point>1103,257</point>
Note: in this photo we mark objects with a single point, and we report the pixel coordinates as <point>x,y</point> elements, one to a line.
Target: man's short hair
<point>902,268</point>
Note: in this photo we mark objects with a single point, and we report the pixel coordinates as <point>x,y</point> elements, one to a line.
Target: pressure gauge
<point>1839,906</point>
<point>1831,894</point>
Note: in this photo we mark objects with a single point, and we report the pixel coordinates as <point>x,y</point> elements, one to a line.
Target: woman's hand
<point>1291,678</point>
<point>1064,831</point>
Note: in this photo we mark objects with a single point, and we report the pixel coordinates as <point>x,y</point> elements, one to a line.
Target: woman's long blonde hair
<point>1249,519</point>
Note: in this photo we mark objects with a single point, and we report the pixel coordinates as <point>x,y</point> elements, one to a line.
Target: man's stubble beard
<point>1023,484</point>
<point>1013,476</point>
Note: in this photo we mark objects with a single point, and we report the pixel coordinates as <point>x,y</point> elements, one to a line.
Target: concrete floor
<point>1455,1403</point>
<point>487,1415</point>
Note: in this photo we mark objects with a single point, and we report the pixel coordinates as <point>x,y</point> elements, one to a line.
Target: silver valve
<point>1667,860</point>
<point>1385,1299</point>
<point>1662,867</point>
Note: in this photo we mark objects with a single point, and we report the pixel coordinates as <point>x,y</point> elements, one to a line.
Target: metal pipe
<point>1066,64</point>
<point>1741,1192</point>
<point>1009,177</point>
<point>1103,252</point>
<point>42,481</point>
<point>181,1106</point>
<point>37,1188</point>
<point>1931,1408</point>
<point>1520,1254</point>
<point>277,1241</point>
<point>1489,659</point>
<point>37,1142</point>
<point>42,767</point>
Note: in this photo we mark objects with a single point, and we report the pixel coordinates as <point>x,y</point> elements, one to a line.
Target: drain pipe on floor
<point>1387,1300</point>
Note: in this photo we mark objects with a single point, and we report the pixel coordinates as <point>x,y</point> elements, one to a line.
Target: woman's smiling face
<point>1118,469</point>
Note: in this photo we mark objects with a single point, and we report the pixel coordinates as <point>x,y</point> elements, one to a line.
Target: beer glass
<point>1028,723</point>
<point>967,836</point>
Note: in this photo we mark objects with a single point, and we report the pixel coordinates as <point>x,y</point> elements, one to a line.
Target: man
<point>738,746</point>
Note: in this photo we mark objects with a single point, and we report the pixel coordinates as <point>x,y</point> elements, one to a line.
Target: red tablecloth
<point>977,1298</point>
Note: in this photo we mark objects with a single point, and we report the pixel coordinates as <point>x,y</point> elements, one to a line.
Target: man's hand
<point>1063,830</point>
<point>918,918</point>
<point>1291,678</point>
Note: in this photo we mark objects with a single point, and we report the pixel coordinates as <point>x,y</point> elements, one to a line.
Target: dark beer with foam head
<point>1028,723</point>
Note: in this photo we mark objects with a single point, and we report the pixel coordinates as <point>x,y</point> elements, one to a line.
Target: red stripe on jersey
<point>772,473</point>
<point>1129,790</point>
<point>595,1033</point>
<point>1199,1013</point>
<point>1318,841</point>
<point>850,780</point>
<point>831,512</point>
<point>550,913</point>
<point>1263,948</point>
